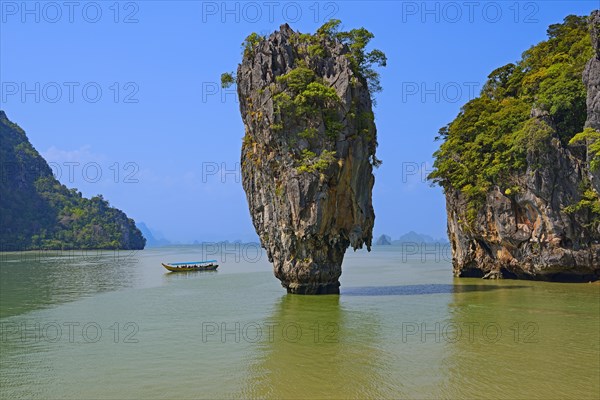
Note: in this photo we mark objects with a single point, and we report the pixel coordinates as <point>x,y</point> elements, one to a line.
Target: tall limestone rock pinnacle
<point>307,155</point>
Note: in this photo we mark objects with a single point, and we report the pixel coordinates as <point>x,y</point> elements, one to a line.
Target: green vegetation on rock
<point>591,138</point>
<point>306,103</point>
<point>250,42</point>
<point>521,109</point>
<point>589,204</point>
<point>310,162</point>
<point>362,62</point>
<point>227,79</point>
<point>38,212</point>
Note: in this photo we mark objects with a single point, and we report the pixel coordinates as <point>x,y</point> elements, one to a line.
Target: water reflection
<point>536,341</point>
<point>30,281</point>
<point>319,349</point>
<point>187,275</point>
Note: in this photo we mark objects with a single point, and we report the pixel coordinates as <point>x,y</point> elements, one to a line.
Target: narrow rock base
<point>320,288</point>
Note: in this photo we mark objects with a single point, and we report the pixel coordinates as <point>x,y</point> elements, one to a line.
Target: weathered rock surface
<point>305,220</point>
<point>591,79</point>
<point>528,235</point>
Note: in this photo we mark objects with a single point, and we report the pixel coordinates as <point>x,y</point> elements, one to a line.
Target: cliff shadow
<point>413,290</point>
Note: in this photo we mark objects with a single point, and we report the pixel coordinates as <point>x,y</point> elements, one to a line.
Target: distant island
<point>383,240</point>
<point>38,212</point>
<point>410,237</point>
<point>153,238</point>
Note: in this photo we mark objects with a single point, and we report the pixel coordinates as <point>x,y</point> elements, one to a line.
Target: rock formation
<point>529,234</point>
<point>38,212</point>
<point>307,155</point>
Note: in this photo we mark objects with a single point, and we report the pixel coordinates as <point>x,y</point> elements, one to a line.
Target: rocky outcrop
<point>528,234</point>
<point>308,187</point>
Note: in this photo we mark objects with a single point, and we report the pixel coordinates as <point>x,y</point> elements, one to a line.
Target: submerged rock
<point>307,155</point>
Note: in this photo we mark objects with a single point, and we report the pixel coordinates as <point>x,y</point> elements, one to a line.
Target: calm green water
<point>107,326</point>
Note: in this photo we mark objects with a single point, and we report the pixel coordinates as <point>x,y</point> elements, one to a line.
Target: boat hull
<point>171,268</point>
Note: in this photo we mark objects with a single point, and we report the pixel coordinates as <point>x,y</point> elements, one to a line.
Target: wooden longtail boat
<point>191,266</point>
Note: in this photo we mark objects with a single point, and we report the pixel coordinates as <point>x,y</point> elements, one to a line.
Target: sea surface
<point>116,325</point>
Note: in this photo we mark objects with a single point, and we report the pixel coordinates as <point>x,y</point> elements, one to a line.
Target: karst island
<point>520,164</point>
<point>309,148</point>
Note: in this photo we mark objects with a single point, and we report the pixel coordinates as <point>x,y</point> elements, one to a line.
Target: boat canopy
<point>193,262</point>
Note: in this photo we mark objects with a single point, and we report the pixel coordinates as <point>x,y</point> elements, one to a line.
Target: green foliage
<point>37,211</point>
<point>591,138</point>
<point>316,50</point>
<point>480,150</point>
<point>305,103</point>
<point>250,42</point>
<point>534,137</point>
<point>311,163</point>
<point>489,141</point>
<point>316,96</point>
<point>364,122</point>
<point>308,133</point>
<point>277,127</point>
<point>306,97</point>
<point>283,103</point>
<point>227,79</point>
<point>357,40</point>
<point>362,62</point>
<point>329,29</point>
<point>298,79</point>
<point>333,128</point>
<point>588,206</point>
<point>501,83</point>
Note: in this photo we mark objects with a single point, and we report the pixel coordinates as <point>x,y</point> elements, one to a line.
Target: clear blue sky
<point>160,124</point>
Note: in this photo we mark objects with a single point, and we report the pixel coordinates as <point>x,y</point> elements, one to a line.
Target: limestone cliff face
<point>591,79</point>
<point>306,210</point>
<point>529,235</point>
